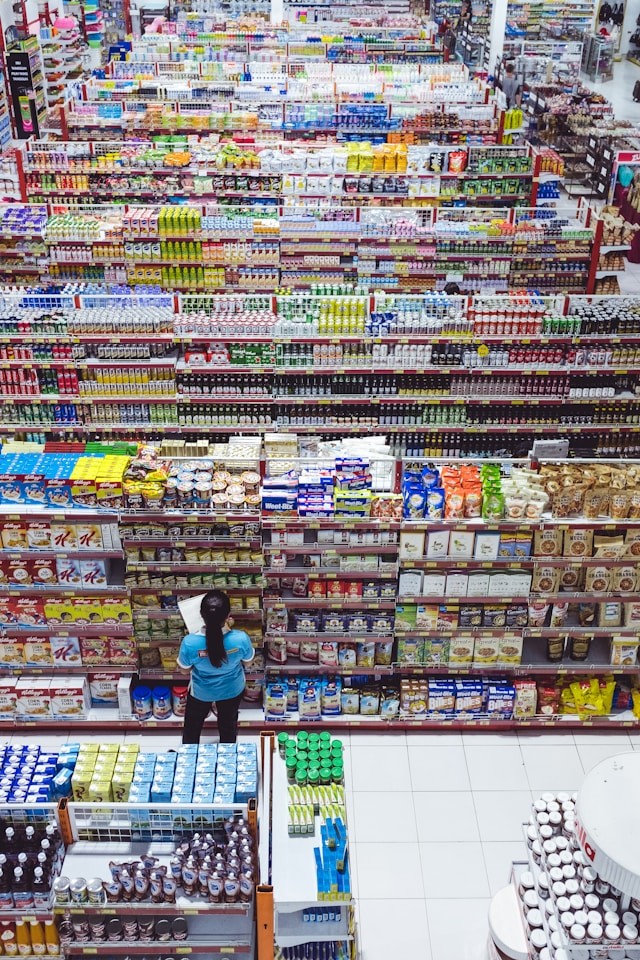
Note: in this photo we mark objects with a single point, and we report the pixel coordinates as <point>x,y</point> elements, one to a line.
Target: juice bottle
<point>36,933</point>
<point>51,938</point>
<point>23,940</point>
<point>22,896</point>
<point>6,896</point>
<point>40,888</point>
<point>8,937</point>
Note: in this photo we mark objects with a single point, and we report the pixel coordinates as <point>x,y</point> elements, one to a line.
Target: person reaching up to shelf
<point>215,659</point>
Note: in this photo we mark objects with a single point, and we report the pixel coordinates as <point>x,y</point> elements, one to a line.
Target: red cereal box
<point>317,588</point>
<point>43,570</point>
<point>18,571</point>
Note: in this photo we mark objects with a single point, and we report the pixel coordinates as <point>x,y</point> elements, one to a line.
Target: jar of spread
<point>612,933</point>
<point>594,932</point>
<point>578,933</point>
<point>543,886</point>
<point>538,941</point>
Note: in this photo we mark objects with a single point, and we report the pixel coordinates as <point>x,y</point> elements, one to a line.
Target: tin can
<point>78,890</point>
<point>95,891</point>
<point>61,890</point>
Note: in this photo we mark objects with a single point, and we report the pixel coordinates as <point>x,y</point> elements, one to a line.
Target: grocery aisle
<point>619,90</point>
<point>435,823</point>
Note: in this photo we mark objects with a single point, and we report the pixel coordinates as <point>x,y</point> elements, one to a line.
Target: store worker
<point>215,660</point>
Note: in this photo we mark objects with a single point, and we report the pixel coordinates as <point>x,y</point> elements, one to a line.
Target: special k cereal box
<point>7,698</point>
<point>33,698</point>
<point>89,536</point>
<point>94,573</point>
<point>66,651</point>
<point>38,534</point>
<point>64,536</point>
<point>68,571</point>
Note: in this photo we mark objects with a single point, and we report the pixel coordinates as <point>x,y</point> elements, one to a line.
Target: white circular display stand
<point>505,924</point>
<point>608,821</point>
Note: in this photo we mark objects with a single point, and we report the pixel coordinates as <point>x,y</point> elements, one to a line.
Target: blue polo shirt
<point>211,683</point>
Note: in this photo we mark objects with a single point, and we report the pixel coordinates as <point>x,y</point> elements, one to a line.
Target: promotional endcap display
<point>608,821</point>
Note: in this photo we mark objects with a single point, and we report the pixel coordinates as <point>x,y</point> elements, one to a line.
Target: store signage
<point>626,156</point>
<point>22,95</point>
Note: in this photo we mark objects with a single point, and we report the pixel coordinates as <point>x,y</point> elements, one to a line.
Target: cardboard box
<point>437,544</point>
<point>38,533</point>
<point>103,688</point>
<point>14,535</point>
<point>461,544</point>
<point>70,699</point>
<point>478,584</point>
<point>486,545</point>
<point>11,652</point>
<point>33,698</point>
<point>43,570</point>
<point>411,545</point>
<point>8,698</point>
<point>64,536</point>
<point>37,652</point>
<point>66,651</point>
<point>410,583</point>
<point>434,584</point>
<point>457,584</point>
<point>89,536</point>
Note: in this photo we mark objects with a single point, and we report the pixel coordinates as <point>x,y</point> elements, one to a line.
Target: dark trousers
<point>197,711</point>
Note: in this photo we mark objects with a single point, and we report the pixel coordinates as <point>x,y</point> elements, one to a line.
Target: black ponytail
<point>215,609</point>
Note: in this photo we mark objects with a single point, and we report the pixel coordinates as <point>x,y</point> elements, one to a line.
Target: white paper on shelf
<point>190,612</point>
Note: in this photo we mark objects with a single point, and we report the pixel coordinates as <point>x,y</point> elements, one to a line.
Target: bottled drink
<point>40,887</point>
<point>6,894</point>
<point>8,938</point>
<point>23,940</point>
<point>22,895</point>
<point>51,939</point>
<point>36,934</point>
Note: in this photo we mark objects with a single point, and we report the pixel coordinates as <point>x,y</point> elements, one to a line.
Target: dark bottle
<point>22,895</point>
<point>6,895</point>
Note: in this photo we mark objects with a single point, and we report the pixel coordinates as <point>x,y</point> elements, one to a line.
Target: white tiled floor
<point>427,857</point>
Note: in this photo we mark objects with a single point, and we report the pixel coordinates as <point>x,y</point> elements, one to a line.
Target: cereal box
<point>64,536</point>
<point>43,570</point>
<point>86,610</point>
<point>38,534</point>
<point>93,573</point>
<point>37,652</point>
<point>58,610</point>
<point>123,651</point>
<point>11,652</point>
<point>68,572</point>
<point>115,610</point>
<point>70,699</point>
<point>66,651</point>
<point>33,698</point>
<point>89,536</point>
<point>94,651</point>
<point>29,611</point>
<point>104,688</point>
<point>18,571</point>
<point>7,698</point>
<point>14,536</point>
